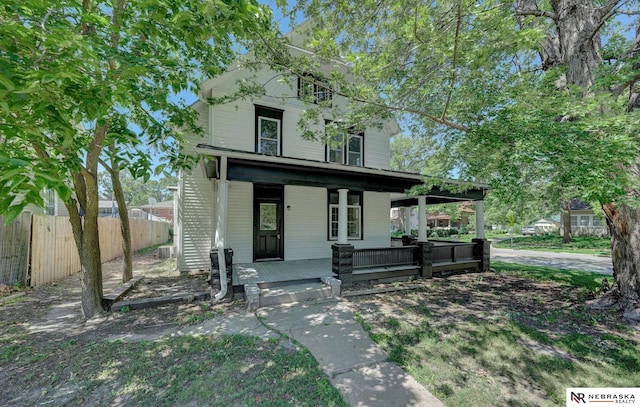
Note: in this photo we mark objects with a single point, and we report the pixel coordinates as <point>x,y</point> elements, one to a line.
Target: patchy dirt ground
<point>52,312</point>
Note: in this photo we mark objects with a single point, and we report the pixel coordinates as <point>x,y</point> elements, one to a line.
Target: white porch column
<point>407,220</point>
<point>342,216</point>
<point>479,219</point>
<point>222,198</point>
<point>422,218</point>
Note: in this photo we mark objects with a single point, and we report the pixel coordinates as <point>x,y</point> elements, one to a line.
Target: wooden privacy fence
<point>15,239</point>
<point>54,254</point>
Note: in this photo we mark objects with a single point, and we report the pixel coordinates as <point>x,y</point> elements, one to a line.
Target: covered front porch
<point>339,212</point>
<point>435,258</point>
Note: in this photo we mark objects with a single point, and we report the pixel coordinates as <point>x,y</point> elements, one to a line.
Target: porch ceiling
<point>260,168</point>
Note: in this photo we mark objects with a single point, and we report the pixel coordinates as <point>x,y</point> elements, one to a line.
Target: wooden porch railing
<point>453,252</point>
<point>385,257</point>
<point>420,260</point>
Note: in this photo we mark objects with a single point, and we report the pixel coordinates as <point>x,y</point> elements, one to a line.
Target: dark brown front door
<point>268,222</point>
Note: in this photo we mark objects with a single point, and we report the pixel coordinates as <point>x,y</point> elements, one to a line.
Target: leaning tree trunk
<point>125,228</point>
<point>624,226</point>
<point>567,236</point>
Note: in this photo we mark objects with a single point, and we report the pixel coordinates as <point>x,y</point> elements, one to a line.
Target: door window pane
<point>268,216</point>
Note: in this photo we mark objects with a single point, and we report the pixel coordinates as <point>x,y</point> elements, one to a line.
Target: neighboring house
<point>269,194</point>
<point>434,219</point>
<point>584,222</point>
<point>160,209</point>
<point>545,226</point>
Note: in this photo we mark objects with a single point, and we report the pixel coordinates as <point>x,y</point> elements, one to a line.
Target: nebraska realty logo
<point>610,395</point>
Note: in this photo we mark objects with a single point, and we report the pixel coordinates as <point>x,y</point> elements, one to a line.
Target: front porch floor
<point>281,271</point>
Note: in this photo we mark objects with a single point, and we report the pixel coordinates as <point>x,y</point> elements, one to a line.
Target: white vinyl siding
<point>234,124</point>
<point>376,148</point>
<point>376,207</point>
<point>240,221</point>
<point>195,206</point>
<point>306,222</point>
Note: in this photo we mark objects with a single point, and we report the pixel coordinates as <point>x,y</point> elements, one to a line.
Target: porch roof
<point>266,169</point>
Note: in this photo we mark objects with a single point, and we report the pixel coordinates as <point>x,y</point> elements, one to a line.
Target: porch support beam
<point>422,218</point>
<point>342,216</point>
<point>479,219</point>
<point>407,220</point>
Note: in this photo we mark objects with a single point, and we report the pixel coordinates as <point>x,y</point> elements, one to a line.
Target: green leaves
<point>75,81</point>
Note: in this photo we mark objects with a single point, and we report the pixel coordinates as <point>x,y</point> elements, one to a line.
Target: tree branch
<point>454,63</point>
<point>285,65</point>
<point>537,13</point>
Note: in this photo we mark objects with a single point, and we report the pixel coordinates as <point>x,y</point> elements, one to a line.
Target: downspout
<point>221,227</point>
<point>221,213</point>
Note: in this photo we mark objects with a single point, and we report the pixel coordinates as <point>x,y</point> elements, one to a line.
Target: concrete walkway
<point>354,363</point>
<point>566,261</point>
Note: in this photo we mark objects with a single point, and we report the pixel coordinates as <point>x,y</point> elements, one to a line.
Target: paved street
<point>567,261</point>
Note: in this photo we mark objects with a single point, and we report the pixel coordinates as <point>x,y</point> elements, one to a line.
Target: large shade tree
<point>75,74</point>
<point>519,94</point>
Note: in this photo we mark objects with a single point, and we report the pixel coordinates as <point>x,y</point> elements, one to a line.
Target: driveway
<point>567,261</point>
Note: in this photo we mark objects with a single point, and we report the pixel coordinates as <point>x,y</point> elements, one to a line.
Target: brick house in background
<point>160,209</point>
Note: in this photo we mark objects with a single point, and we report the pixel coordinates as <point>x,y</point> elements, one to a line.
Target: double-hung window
<point>354,215</point>
<point>310,89</point>
<point>268,131</point>
<point>344,147</point>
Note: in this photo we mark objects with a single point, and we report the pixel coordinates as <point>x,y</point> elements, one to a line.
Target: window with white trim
<point>354,215</point>
<point>338,151</point>
<point>574,220</point>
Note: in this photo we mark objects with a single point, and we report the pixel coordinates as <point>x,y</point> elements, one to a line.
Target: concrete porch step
<point>270,295</point>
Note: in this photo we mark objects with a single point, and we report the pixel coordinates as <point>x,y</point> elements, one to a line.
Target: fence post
<point>425,257</point>
<point>482,252</point>
<point>342,263</point>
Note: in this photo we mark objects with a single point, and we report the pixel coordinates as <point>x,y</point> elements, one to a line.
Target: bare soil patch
<point>42,306</point>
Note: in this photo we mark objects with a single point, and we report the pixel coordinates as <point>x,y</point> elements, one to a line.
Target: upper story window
<point>345,147</point>
<point>311,90</point>
<point>268,130</point>
<point>50,202</point>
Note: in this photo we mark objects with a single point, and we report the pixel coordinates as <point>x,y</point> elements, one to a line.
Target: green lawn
<point>553,243</point>
<point>518,337</point>
<point>177,371</point>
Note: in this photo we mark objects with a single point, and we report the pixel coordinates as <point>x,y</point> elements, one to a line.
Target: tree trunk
<point>85,231</point>
<point>577,25</point>
<point>624,226</point>
<point>567,236</point>
<point>125,228</point>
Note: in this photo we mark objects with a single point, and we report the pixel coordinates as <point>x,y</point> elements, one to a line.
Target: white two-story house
<point>271,195</point>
